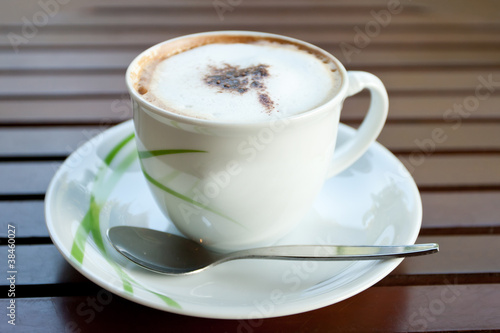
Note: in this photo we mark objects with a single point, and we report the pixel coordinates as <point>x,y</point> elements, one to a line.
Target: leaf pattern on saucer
<point>152,153</point>
<point>103,184</point>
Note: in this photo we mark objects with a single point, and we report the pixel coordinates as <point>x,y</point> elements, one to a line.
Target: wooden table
<point>62,67</point>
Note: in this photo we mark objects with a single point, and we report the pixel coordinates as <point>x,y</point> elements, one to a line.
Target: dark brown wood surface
<point>63,84</point>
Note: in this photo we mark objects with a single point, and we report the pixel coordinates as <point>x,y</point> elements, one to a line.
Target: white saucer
<point>373,202</point>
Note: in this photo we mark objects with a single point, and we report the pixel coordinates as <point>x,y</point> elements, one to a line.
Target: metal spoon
<point>174,255</point>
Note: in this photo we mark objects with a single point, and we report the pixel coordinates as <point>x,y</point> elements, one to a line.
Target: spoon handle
<point>330,252</point>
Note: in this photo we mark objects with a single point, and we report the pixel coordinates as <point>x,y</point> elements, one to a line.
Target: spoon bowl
<point>175,255</point>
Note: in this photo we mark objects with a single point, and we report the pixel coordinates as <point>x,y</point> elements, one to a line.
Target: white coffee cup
<point>231,186</point>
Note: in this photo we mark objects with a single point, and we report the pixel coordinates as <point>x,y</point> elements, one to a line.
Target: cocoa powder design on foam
<point>240,80</point>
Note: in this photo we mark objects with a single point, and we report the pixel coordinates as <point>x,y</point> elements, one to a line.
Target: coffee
<point>238,79</point>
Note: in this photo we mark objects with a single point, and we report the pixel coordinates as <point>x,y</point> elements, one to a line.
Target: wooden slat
<point>117,108</point>
<point>263,13</point>
<point>447,307</point>
<point>434,107</point>
<point>42,264</point>
<point>444,212</point>
<point>468,254</point>
<point>320,35</point>
<point>209,16</point>
<point>432,138</point>
<point>158,4</point>
<point>10,13</point>
<point>434,80</point>
<point>74,110</point>
<point>433,171</point>
<point>98,59</point>
<point>461,6</point>
<point>48,141</point>
<point>32,85</point>
<point>452,210</point>
<point>89,59</point>
<point>26,216</point>
<point>26,178</point>
<point>469,171</point>
<point>408,15</point>
<point>399,138</point>
<point>60,85</point>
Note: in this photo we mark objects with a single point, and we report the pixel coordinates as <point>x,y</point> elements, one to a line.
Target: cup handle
<point>371,126</point>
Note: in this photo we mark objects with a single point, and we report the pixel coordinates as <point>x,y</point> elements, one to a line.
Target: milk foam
<point>242,82</point>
